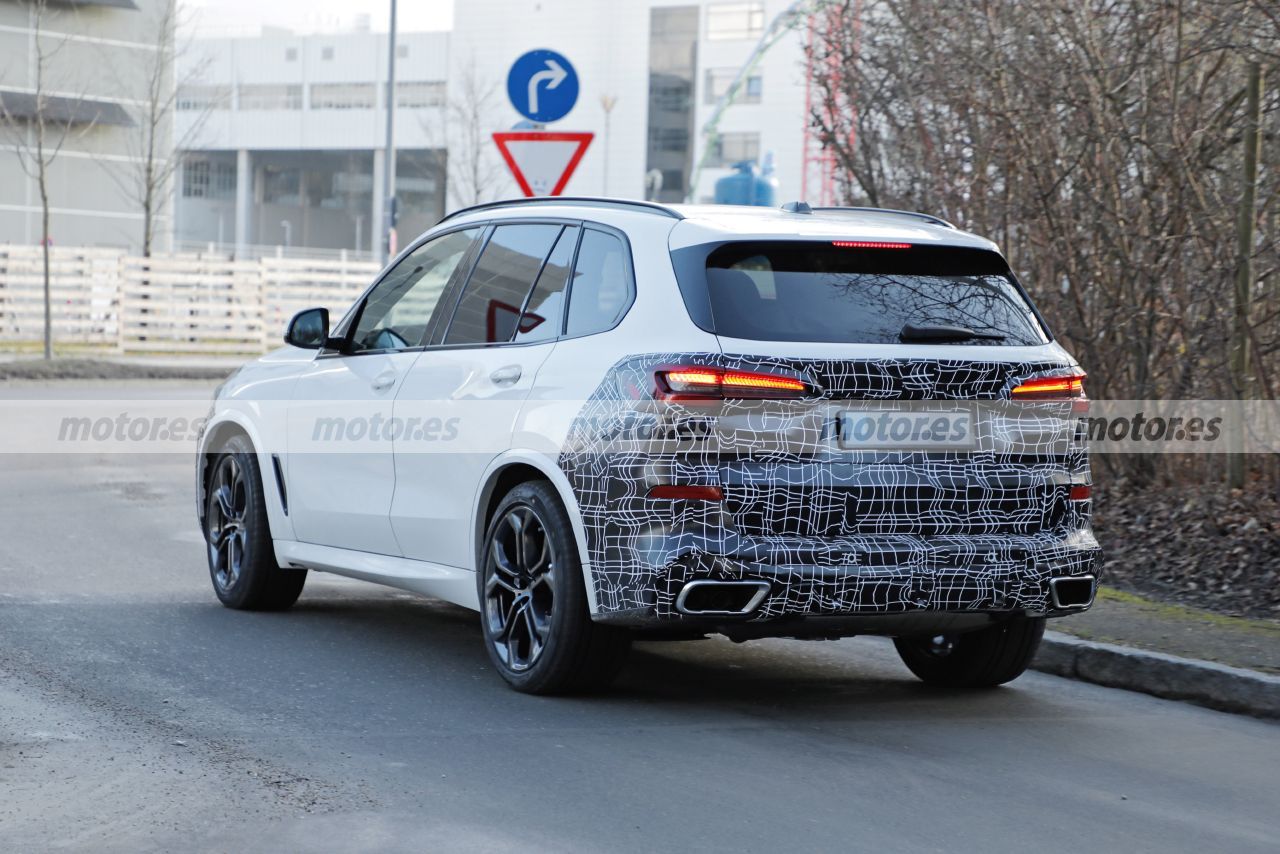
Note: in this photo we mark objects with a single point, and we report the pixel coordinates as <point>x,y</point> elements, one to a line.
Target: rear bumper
<point>850,578</point>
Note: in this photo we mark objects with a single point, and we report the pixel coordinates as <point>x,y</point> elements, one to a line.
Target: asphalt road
<point>136,713</point>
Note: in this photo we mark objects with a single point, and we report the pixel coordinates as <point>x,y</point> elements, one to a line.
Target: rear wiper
<point>944,333</point>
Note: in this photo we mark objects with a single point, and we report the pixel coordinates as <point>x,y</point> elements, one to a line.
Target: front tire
<point>533,602</point>
<point>981,659</point>
<point>242,562</point>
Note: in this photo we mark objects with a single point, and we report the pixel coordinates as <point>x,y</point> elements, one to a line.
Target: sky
<point>247,17</point>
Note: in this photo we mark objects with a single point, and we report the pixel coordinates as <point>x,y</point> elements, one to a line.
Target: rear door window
<point>825,292</point>
<point>544,313</point>
<point>491,303</point>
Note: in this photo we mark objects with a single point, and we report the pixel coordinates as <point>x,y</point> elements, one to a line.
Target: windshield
<point>822,292</point>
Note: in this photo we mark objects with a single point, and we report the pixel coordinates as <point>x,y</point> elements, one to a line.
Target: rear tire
<point>981,659</point>
<point>533,602</point>
<point>242,561</point>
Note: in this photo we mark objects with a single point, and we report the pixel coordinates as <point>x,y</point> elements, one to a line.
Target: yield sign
<point>542,161</point>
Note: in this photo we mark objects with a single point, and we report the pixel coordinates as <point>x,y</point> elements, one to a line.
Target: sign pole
<point>389,164</point>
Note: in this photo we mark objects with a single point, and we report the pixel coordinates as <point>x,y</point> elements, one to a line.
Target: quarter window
<point>398,311</point>
<point>602,286</point>
<point>490,305</point>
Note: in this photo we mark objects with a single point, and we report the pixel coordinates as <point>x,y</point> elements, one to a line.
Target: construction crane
<point>794,17</point>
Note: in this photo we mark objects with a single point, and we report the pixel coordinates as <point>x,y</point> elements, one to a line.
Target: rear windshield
<point>822,292</point>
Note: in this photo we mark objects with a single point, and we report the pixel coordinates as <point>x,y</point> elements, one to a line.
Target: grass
<point>1182,613</point>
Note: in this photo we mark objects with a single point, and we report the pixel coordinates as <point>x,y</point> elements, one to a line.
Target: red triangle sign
<point>542,161</point>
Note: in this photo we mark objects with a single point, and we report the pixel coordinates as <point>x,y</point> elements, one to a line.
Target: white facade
<point>282,93</point>
<point>254,111</point>
<point>608,42</point>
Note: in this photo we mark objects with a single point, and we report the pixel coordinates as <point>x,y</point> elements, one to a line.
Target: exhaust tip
<point>1073,594</point>
<point>706,598</point>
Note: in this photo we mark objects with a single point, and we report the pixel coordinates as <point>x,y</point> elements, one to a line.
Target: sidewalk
<point>1130,620</point>
<point>1126,641</point>
<point>24,367</point>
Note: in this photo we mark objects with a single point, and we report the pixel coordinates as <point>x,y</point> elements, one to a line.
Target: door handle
<point>384,380</point>
<point>506,376</point>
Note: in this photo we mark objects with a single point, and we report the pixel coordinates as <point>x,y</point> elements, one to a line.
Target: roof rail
<point>627,204</point>
<point>929,218</point>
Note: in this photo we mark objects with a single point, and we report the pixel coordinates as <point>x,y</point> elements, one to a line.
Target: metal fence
<point>106,301</point>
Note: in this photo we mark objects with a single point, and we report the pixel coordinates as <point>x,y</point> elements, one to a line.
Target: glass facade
<point>673,63</point>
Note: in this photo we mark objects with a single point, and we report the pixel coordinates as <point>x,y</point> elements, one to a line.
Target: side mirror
<point>309,329</point>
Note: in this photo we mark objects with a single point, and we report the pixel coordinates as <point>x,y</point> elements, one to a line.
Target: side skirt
<point>417,576</point>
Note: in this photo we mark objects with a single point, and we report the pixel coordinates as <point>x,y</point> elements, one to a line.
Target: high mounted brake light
<point>695,383</point>
<point>868,244</point>
<point>1062,387</point>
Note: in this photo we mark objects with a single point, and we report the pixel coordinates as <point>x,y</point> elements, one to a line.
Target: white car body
<point>417,521</point>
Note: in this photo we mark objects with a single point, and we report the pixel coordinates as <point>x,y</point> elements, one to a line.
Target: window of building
<point>204,97</point>
<point>326,53</point>
<point>504,275</point>
<point>668,139</point>
<point>602,288</point>
<point>413,94</point>
<point>734,147</point>
<point>270,96</point>
<point>281,186</point>
<point>343,96</point>
<point>195,179</point>
<point>727,21</point>
<point>402,51</point>
<point>291,54</point>
<point>673,60</point>
<point>719,79</point>
<point>202,179</point>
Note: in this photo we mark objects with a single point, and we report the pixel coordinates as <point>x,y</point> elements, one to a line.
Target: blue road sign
<point>542,86</point>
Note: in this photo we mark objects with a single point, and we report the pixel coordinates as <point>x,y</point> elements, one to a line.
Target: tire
<point>242,562</point>
<point>981,659</point>
<point>533,603</point>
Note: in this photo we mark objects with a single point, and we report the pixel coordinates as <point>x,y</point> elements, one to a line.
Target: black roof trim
<point>61,110</point>
<point>929,218</point>
<point>585,201</point>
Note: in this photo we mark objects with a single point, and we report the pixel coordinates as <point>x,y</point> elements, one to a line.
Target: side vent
<point>284,495</point>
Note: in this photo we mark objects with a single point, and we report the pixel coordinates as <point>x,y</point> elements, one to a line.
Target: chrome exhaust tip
<point>707,598</point>
<point>1073,593</point>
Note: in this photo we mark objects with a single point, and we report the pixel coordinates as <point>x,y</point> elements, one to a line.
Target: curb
<point>1228,689</point>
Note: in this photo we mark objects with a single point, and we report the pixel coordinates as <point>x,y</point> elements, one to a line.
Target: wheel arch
<point>512,469</point>
<point>217,433</point>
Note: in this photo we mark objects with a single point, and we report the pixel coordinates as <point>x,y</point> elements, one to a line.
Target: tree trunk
<point>48,300</point>
<point>1240,355</point>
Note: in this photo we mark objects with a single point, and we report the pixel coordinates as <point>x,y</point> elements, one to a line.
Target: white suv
<point>593,420</point>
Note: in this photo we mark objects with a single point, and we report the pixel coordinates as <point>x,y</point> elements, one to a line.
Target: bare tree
<point>40,125</point>
<point>1099,142</point>
<point>475,173</point>
<point>154,148</point>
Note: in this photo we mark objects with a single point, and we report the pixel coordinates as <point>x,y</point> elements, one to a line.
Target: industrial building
<point>86,66</point>
<point>284,133</point>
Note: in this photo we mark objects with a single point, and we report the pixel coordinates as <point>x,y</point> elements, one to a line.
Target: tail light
<point>687,493</point>
<point>698,383</point>
<point>1059,387</point>
<point>1081,492</point>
